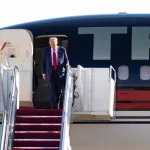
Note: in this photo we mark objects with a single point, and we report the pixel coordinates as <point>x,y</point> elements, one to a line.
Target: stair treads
<point>39,112</point>
<point>20,119</point>
<point>49,135</point>
<point>37,129</point>
<point>36,148</point>
<point>35,143</point>
<point>29,127</point>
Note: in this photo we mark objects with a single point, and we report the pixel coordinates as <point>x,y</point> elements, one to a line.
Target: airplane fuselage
<point>99,41</point>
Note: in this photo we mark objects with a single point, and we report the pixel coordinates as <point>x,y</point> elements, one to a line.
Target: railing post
<point>3,131</point>
<point>67,106</point>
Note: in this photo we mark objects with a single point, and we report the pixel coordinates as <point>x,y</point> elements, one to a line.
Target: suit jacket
<point>62,60</point>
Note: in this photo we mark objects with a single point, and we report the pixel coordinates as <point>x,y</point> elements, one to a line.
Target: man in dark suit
<point>54,64</point>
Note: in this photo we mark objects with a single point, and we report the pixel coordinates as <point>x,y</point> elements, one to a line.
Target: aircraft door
<point>16,48</point>
<point>41,94</point>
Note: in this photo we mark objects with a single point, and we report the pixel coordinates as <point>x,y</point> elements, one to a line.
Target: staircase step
<point>36,139</point>
<point>39,112</point>
<point>36,148</point>
<point>19,143</point>
<point>29,135</point>
<point>22,119</point>
<point>26,107</point>
<point>28,127</point>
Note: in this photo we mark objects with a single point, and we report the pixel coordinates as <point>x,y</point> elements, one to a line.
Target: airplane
<point>120,40</point>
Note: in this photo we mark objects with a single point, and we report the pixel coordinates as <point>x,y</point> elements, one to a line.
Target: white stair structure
<point>96,89</point>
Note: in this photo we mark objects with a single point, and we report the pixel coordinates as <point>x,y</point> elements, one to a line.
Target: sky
<point>20,11</point>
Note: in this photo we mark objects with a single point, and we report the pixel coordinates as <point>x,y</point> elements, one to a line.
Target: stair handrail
<point>67,108</point>
<point>4,114</point>
<point>3,131</point>
<point>12,107</point>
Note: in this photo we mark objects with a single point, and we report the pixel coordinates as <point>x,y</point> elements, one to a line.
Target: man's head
<point>53,42</point>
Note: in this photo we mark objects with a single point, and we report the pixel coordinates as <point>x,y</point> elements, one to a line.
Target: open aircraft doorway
<point>41,97</point>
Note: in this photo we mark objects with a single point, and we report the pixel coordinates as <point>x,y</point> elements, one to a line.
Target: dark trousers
<point>55,85</point>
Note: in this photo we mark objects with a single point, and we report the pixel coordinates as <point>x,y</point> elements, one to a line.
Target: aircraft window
<point>145,72</point>
<point>123,72</point>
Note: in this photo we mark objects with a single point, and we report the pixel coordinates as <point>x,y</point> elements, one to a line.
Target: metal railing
<point>13,107</point>
<point>68,99</point>
<point>4,111</point>
<point>3,131</point>
<point>10,111</point>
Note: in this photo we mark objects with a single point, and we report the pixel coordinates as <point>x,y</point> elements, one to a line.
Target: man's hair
<point>53,39</point>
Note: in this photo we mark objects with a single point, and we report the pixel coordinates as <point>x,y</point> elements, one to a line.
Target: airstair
<point>30,128</point>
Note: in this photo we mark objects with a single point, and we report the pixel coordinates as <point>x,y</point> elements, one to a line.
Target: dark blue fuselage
<point>123,43</point>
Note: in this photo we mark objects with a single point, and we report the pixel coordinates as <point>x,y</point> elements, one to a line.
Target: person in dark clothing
<point>54,64</point>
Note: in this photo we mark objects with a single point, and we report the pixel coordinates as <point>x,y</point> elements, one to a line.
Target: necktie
<point>54,60</point>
